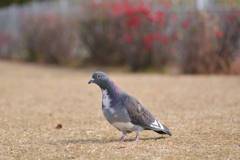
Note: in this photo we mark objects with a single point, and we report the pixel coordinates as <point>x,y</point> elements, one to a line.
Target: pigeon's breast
<point>113,113</point>
<point>106,102</point>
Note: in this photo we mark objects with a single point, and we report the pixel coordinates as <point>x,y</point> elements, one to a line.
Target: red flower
<point>130,11</point>
<point>134,21</point>
<point>148,39</point>
<point>219,34</point>
<point>119,8</point>
<point>186,25</point>
<point>159,17</point>
<point>128,38</point>
<point>142,8</point>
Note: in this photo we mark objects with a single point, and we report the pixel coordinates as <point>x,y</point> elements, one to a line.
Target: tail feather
<point>156,126</point>
<point>165,131</point>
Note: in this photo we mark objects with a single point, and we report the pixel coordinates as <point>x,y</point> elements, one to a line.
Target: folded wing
<point>139,115</point>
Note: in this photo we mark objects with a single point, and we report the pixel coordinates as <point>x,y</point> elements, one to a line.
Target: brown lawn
<point>202,112</point>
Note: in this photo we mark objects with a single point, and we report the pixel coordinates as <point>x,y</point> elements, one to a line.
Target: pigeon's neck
<point>112,90</point>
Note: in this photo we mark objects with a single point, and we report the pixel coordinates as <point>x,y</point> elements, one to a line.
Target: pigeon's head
<point>99,78</point>
<point>104,82</point>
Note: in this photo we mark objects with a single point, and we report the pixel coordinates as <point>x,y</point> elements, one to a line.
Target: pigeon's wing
<point>139,115</point>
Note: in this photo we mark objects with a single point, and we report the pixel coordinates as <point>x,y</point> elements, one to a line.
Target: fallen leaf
<point>59,126</point>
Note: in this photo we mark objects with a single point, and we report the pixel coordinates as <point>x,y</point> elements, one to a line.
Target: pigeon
<point>123,111</point>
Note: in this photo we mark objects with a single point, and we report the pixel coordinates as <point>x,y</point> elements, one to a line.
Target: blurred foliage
<point>103,50</point>
<point>211,43</point>
<point>135,34</point>
<point>205,42</point>
<point>4,3</point>
<point>128,31</point>
<point>235,2</point>
<point>51,39</point>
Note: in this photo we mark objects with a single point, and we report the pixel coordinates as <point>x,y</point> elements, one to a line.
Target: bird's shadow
<point>90,141</point>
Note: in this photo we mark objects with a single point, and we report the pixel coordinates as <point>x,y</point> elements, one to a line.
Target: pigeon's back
<point>139,115</point>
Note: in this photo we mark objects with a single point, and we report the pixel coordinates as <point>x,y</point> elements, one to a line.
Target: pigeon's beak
<point>91,80</point>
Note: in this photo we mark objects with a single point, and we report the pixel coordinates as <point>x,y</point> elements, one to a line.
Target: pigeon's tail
<point>165,131</point>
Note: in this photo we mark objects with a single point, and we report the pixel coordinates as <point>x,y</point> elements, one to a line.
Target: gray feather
<point>139,115</point>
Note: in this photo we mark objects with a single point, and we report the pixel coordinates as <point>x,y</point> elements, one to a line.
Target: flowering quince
<point>158,17</point>
<point>130,11</point>
<point>128,38</point>
<point>186,25</point>
<point>141,15</point>
<point>125,8</point>
<point>119,8</point>
<point>219,34</point>
<point>145,10</point>
<point>148,39</point>
<point>136,13</point>
<point>134,21</point>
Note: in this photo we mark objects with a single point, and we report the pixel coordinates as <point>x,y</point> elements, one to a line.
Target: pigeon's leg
<point>124,134</point>
<point>136,138</point>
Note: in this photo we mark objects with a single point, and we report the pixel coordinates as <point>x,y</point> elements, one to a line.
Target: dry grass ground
<point>203,113</point>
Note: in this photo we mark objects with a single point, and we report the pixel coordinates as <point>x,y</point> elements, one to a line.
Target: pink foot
<point>134,140</point>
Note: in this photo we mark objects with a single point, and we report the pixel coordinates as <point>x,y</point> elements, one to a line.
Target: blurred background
<point>183,36</point>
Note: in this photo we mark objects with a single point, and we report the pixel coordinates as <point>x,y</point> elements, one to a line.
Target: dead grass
<point>203,113</point>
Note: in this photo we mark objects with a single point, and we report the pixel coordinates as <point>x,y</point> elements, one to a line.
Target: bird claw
<point>135,140</point>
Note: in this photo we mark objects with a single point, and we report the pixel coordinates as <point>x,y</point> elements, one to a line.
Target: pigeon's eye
<point>98,76</point>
